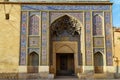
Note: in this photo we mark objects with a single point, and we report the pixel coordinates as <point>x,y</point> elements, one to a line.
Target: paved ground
<point>62,78</point>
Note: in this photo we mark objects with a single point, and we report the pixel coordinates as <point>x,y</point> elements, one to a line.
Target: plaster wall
<point>9,38</point>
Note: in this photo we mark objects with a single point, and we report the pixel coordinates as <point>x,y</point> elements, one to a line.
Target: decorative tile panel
<point>34,29</point>
<point>97,23</point>
<point>108,29</point>
<point>34,41</point>
<point>65,37</point>
<point>34,24</point>
<point>55,15</point>
<point>36,13</point>
<point>88,38</point>
<point>98,42</point>
<point>66,7</point>
<point>44,37</point>
<point>23,38</point>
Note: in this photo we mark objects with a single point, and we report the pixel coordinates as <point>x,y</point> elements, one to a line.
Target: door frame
<point>30,66</point>
<point>102,62</point>
<point>59,47</point>
<point>67,55</point>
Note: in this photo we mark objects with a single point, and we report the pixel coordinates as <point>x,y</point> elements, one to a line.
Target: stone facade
<point>37,29</point>
<point>95,34</point>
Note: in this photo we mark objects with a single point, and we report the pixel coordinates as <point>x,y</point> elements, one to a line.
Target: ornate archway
<point>68,23</point>
<point>64,33</point>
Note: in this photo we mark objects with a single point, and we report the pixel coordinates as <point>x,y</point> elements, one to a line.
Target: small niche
<point>7,16</point>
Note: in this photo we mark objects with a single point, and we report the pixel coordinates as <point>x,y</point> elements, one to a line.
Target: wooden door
<point>98,62</point>
<point>65,64</point>
<point>33,63</point>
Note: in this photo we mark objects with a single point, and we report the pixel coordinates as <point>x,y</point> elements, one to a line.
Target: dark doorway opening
<point>65,64</point>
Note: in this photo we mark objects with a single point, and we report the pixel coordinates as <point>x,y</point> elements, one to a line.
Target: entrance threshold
<point>67,77</point>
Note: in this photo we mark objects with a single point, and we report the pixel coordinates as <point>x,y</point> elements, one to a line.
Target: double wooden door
<point>65,64</point>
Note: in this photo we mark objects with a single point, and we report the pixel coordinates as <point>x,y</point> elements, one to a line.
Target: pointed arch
<point>98,58</point>
<point>34,25</point>
<point>65,49</point>
<point>33,59</point>
<point>99,51</point>
<point>65,22</point>
<point>97,25</point>
<point>34,51</point>
<point>66,29</point>
<point>98,62</point>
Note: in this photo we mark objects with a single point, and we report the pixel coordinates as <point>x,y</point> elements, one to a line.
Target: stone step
<point>66,77</point>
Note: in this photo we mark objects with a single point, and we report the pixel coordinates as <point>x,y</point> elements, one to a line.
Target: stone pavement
<point>61,78</point>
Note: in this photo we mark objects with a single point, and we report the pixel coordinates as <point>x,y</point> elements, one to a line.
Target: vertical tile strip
<point>108,38</point>
<point>88,38</point>
<point>23,38</point>
<point>44,38</point>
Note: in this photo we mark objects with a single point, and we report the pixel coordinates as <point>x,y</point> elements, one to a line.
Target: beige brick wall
<point>9,38</point>
<point>117,44</point>
<point>1,0</point>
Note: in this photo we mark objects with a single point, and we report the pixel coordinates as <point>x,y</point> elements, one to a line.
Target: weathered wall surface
<point>117,44</point>
<point>9,38</point>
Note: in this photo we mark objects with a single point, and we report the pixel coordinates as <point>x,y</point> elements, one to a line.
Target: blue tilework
<point>108,38</point>
<point>64,7</point>
<point>23,38</point>
<point>88,38</point>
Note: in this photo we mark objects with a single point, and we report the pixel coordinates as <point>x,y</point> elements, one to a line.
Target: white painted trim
<point>44,69</point>
<point>88,69</point>
<point>22,69</point>
<point>111,69</point>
